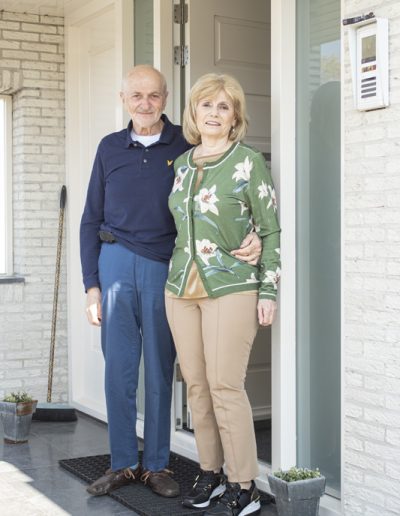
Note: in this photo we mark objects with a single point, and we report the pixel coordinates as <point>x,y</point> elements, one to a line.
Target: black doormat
<point>138,497</point>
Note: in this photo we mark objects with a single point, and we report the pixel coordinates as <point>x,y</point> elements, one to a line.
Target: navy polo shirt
<point>128,196</point>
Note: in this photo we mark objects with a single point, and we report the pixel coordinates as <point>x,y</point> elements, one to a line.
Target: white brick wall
<point>32,70</point>
<point>372,289</point>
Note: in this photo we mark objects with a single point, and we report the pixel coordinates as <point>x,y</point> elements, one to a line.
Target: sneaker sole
<point>252,508</point>
<point>218,491</point>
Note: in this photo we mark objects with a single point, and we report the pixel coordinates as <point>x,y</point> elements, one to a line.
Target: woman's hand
<point>93,306</point>
<point>266,310</point>
<point>250,249</point>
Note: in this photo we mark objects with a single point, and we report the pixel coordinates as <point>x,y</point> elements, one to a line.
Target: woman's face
<point>215,116</point>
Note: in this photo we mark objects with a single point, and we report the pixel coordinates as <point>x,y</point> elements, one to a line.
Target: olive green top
<point>235,195</point>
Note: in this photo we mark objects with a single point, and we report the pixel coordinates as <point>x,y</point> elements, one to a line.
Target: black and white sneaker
<point>207,486</point>
<point>237,502</point>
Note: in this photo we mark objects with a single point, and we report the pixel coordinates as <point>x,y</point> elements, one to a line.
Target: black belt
<point>106,236</point>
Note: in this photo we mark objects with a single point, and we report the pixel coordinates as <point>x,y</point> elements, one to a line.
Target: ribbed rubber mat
<point>138,497</point>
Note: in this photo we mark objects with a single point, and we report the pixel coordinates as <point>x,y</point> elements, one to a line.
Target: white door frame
<point>77,323</point>
<point>283,164</point>
<point>283,90</point>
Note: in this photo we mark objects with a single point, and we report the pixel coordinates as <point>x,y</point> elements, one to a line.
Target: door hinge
<point>178,373</point>
<point>181,13</point>
<point>181,55</point>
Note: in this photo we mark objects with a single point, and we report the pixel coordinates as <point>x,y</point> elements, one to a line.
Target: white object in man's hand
<point>93,306</point>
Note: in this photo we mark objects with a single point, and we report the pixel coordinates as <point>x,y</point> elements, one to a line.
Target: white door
<point>233,37</point>
<point>97,56</point>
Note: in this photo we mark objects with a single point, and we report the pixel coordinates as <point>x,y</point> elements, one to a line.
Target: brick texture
<point>372,288</point>
<point>32,72</point>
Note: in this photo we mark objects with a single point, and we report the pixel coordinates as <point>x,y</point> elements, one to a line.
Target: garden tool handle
<point>63,196</point>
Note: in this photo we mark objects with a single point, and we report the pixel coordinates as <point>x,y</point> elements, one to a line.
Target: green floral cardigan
<point>236,195</point>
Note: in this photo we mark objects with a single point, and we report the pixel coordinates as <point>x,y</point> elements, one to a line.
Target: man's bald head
<point>141,72</point>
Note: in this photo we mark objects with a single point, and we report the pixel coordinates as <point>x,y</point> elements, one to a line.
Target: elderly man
<point>127,236</point>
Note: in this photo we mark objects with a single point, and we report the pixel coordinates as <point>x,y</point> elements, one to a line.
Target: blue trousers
<point>134,318</point>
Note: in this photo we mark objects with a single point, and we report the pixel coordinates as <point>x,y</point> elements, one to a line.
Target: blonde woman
<point>214,301</point>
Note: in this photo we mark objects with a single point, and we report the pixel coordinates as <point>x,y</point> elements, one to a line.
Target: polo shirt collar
<point>166,137</point>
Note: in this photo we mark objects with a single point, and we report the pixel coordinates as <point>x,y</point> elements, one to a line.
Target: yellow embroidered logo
<point>170,161</point>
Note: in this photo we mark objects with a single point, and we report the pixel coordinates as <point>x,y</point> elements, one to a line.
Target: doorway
<point>275,363</point>
<point>228,37</point>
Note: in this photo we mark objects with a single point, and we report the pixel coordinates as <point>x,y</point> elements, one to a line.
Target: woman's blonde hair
<point>207,87</point>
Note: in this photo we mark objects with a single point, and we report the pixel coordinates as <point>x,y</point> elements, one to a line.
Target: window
<point>5,186</point>
<point>144,32</point>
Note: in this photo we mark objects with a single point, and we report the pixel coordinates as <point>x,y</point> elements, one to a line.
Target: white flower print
<point>179,178</point>
<point>207,199</point>
<point>252,279</point>
<point>263,189</point>
<point>205,249</point>
<point>243,207</point>
<point>187,250</point>
<point>273,277</point>
<point>272,201</point>
<point>278,250</point>
<point>269,192</point>
<point>243,170</point>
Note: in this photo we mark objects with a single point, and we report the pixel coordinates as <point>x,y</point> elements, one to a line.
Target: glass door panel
<point>318,237</point>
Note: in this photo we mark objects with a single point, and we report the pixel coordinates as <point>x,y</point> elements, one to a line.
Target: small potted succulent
<point>16,411</point>
<point>297,491</point>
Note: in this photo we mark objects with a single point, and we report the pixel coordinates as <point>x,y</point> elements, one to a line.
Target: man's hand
<point>250,249</point>
<point>93,306</point>
<point>266,310</point>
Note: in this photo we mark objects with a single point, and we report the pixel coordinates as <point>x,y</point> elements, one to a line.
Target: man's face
<point>144,99</point>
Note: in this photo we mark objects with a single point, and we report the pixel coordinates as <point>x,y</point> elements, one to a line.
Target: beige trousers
<point>213,338</point>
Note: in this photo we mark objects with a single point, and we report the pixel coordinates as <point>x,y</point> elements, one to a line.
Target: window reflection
<point>318,238</point>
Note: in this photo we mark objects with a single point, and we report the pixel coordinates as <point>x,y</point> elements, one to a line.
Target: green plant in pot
<point>16,411</point>
<point>297,491</point>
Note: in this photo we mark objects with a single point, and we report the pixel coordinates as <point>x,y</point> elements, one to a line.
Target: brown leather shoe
<point>161,483</point>
<point>113,480</point>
